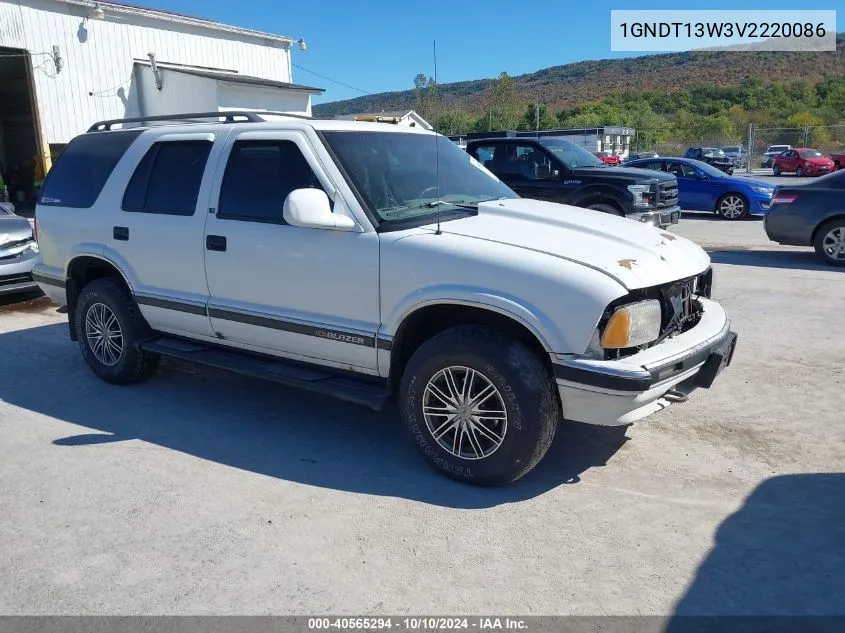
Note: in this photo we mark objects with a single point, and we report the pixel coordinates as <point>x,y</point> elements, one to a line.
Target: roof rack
<point>228,116</point>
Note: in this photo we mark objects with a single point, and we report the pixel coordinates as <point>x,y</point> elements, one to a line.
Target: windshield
<point>732,150</point>
<point>570,154</point>
<point>778,148</point>
<point>396,173</point>
<point>811,153</point>
<point>712,151</point>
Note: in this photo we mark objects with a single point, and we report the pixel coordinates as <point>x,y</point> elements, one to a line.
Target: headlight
<point>766,191</point>
<point>643,196</point>
<point>632,325</point>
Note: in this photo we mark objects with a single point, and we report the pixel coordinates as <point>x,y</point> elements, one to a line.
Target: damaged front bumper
<point>618,392</point>
<point>662,218</point>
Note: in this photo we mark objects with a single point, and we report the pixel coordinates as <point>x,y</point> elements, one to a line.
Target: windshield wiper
<point>428,205</point>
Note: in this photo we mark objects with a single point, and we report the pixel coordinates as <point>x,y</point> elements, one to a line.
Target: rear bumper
<point>618,392</point>
<point>52,282</point>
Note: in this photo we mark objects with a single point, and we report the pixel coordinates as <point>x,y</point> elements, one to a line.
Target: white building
<point>408,118</point>
<point>65,64</point>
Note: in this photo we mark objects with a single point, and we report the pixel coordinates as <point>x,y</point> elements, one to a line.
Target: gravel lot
<point>202,492</point>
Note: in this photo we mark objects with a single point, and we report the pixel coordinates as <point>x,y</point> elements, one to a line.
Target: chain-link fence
<point>828,139</point>
<point>679,147</point>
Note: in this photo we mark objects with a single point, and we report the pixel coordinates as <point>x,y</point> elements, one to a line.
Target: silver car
<point>18,252</point>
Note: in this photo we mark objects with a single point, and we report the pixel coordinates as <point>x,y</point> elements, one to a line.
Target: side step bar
<point>369,393</point>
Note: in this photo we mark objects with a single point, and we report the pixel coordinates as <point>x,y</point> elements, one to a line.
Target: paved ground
<point>203,492</point>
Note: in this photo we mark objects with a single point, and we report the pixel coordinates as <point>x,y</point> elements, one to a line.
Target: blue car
<point>702,187</point>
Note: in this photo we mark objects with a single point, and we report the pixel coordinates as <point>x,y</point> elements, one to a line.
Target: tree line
<point>697,113</point>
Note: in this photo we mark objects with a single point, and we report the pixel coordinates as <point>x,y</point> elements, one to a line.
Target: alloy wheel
<point>833,243</point>
<point>465,413</point>
<point>732,207</point>
<point>103,333</point>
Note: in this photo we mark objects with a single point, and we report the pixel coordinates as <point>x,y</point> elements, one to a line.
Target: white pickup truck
<point>360,260</point>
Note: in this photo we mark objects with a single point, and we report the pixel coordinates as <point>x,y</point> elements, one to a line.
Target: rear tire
<point>776,170</point>
<point>440,406</point>
<point>605,208</point>
<point>830,242</point>
<point>110,327</point>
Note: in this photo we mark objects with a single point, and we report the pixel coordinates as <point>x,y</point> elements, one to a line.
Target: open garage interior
<point>18,131</point>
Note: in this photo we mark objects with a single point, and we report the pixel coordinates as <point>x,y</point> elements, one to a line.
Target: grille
<point>667,194</point>
<point>9,280</point>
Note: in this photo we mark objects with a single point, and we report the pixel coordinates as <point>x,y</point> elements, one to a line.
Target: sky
<point>381,46</point>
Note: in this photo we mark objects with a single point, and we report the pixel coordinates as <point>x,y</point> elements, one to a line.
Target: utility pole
<point>537,119</point>
<point>748,148</point>
<point>806,134</point>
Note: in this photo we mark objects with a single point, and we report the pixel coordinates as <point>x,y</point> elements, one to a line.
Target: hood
<point>628,174</point>
<point>13,228</point>
<point>818,161</point>
<point>636,255</point>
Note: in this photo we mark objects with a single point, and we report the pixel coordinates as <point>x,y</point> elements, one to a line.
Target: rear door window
<point>168,178</point>
<point>82,169</point>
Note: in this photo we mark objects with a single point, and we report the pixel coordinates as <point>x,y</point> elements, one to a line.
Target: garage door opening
<point>20,166</point>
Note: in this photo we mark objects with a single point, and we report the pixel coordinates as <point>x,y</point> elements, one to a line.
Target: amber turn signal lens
<point>616,331</point>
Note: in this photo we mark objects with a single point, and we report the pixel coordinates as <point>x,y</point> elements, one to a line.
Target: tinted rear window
<point>168,178</point>
<point>79,174</point>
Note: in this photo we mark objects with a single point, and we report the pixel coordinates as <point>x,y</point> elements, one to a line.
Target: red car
<point>608,157</point>
<point>838,160</point>
<point>804,162</point>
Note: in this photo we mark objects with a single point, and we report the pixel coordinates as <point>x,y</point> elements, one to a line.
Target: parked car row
<point>360,260</point>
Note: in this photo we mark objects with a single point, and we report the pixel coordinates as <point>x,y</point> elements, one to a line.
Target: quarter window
<point>258,178</point>
<point>167,180</point>
<point>82,169</point>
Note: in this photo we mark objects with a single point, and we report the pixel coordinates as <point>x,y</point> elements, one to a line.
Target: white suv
<point>361,259</point>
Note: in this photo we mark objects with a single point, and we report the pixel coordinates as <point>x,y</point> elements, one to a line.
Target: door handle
<point>120,233</point>
<point>215,243</point>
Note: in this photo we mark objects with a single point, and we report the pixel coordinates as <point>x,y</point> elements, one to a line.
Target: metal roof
<point>172,16</point>
<point>222,75</point>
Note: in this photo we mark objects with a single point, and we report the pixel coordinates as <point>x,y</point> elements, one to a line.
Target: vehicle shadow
<point>802,260</point>
<point>24,301</point>
<point>709,216</point>
<point>780,555</point>
<point>263,427</point>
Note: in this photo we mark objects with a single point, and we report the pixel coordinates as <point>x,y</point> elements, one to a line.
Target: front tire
<point>110,327</point>
<point>732,206</point>
<point>799,172</point>
<point>830,242</point>
<point>480,407</point>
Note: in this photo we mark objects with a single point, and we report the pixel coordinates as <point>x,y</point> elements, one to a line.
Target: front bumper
<point>660,217</point>
<point>759,205</point>
<point>818,170</point>
<point>618,392</point>
<point>16,266</point>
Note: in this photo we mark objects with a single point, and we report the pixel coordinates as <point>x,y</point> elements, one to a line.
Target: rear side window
<point>167,180</point>
<point>258,178</point>
<point>82,169</point>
